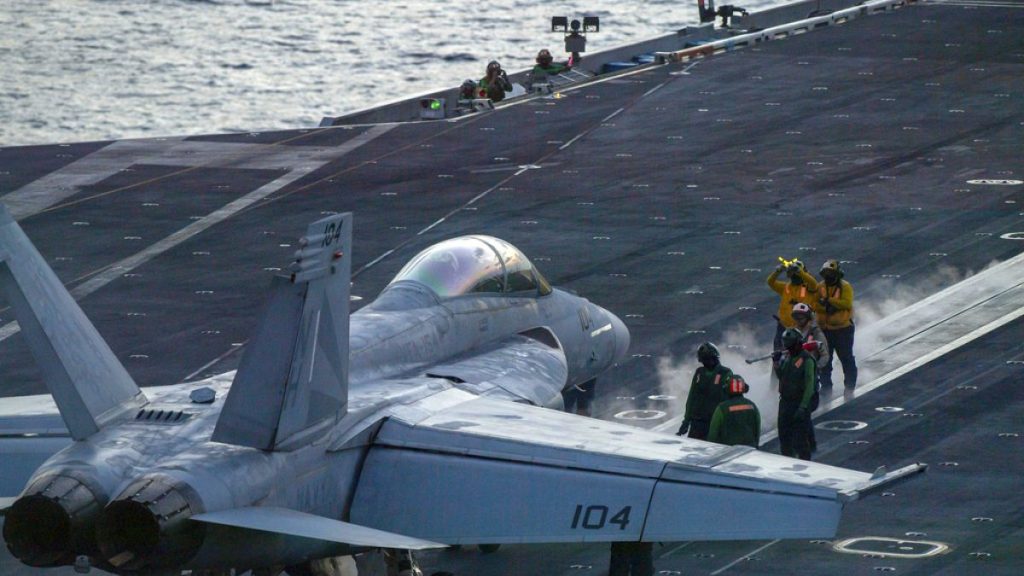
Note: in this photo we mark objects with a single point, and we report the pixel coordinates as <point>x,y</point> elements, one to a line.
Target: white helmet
<point>801,308</point>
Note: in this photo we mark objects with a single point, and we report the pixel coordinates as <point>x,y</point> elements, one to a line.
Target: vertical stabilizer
<point>88,383</point>
<point>293,378</point>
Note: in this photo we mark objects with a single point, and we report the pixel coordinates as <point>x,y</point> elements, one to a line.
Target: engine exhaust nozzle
<point>148,527</point>
<point>53,522</point>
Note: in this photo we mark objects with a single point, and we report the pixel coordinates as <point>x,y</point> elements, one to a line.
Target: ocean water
<point>78,70</point>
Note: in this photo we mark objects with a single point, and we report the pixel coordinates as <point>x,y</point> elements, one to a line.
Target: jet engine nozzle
<point>148,525</point>
<point>53,522</point>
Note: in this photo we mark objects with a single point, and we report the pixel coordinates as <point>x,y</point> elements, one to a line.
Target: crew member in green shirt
<point>796,371</point>
<point>707,390</point>
<point>736,420</point>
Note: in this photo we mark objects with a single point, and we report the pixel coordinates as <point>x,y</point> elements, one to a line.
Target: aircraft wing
<point>488,471</point>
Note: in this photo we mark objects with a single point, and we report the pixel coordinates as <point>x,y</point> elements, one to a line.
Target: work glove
<point>683,428</point>
<point>811,346</point>
<point>801,413</point>
<point>780,268</point>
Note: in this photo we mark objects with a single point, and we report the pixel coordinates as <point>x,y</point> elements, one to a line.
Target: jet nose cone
<point>621,337</point>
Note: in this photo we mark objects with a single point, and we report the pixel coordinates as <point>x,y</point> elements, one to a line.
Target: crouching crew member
<point>707,390</point>
<point>736,420</point>
<point>795,369</point>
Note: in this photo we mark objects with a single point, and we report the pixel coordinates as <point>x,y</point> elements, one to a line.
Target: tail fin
<point>90,386</point>
<point>293,378</point>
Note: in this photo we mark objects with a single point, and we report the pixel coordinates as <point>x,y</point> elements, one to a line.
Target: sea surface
<point>78,70</point>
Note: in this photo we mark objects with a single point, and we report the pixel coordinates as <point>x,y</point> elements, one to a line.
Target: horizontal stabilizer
<point>299,524</point>
<point>88,382</point>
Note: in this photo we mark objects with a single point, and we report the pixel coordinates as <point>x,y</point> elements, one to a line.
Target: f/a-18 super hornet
<point>427,418</point>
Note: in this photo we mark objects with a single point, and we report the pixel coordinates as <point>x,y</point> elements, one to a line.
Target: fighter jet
<point>429,417</point>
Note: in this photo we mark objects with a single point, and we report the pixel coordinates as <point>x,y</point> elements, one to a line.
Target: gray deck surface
<point>665,196</point>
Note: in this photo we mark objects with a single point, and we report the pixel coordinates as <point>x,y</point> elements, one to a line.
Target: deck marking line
<point>613,114</point>
<point>440,220</point>
<point>117,269</point>
<point>744,557</point>
<point>655,89</point>
<point>674,550</point>
<point>570,142</point>
<point>230,351</point>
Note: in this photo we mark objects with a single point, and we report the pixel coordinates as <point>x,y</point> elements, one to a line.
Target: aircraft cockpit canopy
<point>474,264</point>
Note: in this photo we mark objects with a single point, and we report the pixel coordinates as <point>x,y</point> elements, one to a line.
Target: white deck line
<point>119,268</point>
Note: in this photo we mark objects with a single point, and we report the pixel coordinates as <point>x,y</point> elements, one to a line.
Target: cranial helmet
<point>801,309</point>
<point>544,57</point>
<point>791,337</point>
<point>831,271</point>
<point>706,352</point>
<point>737,386</point>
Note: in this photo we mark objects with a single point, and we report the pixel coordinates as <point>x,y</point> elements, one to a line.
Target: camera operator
<point>495,84</point>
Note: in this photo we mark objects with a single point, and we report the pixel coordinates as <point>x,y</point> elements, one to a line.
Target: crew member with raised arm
<point>547,65</point>
<point>801,287</point>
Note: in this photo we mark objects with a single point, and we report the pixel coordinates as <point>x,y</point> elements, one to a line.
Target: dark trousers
<point>631,559</point>
<point>794,433</point>
<point>841,343</point>
<point>699,429</point>
<point>811,438</point>
<point>578,401</point>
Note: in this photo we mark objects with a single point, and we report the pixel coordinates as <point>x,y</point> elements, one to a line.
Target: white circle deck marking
<point>1013,236</point>
<point>640,415</point>
<point>841,425</point>
<point>995,182</point>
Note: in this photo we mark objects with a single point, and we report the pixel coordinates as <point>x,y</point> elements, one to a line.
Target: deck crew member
<point>707,390</point>
<point>815,345</point>
<point>736,420</point>
<point>546,64</point>
<point>495,83</point>
<point>815,341</point>
<point>795,369</point>
<point>801,287</point>
<point>834,307</point>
